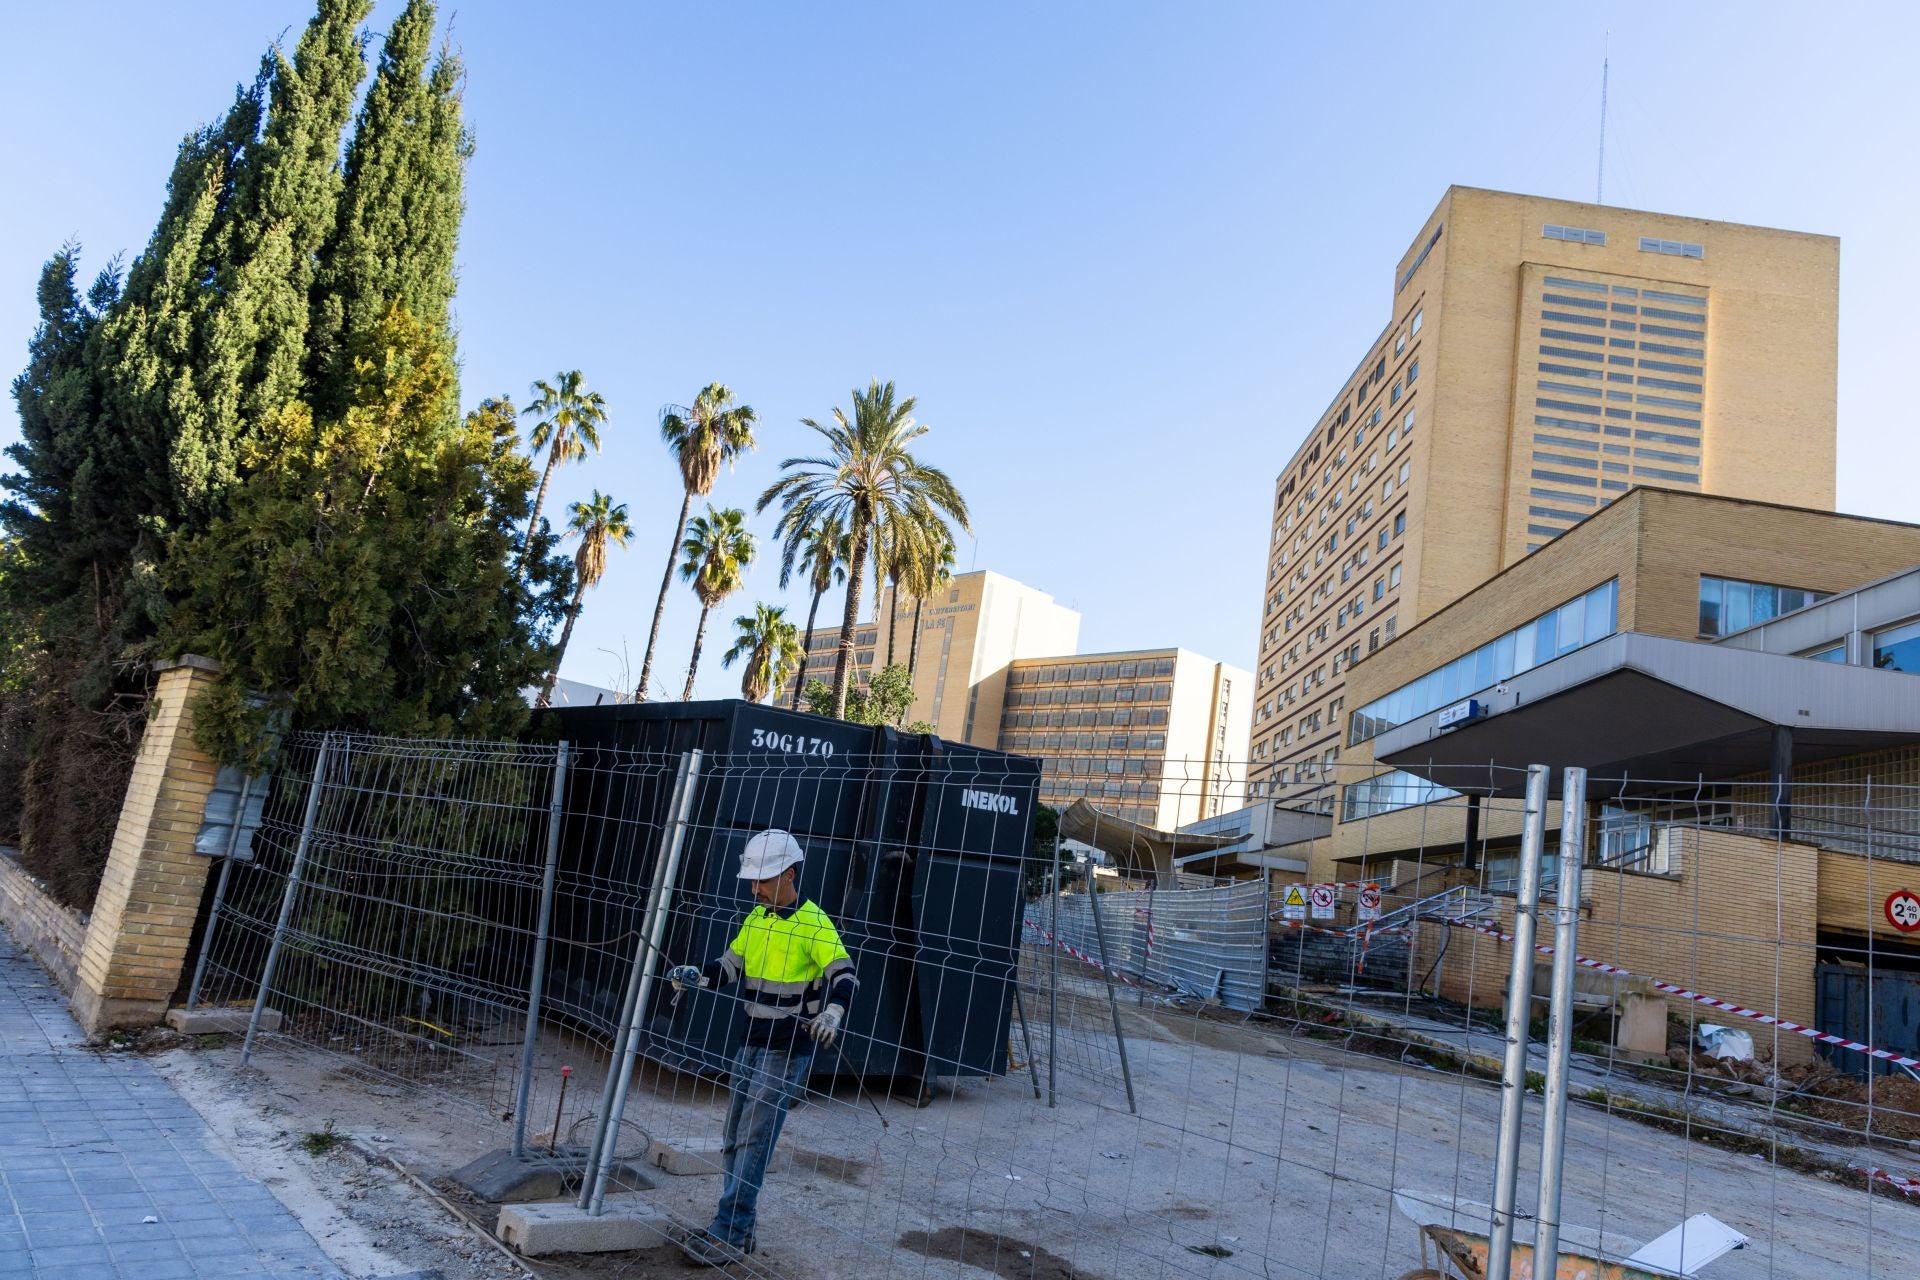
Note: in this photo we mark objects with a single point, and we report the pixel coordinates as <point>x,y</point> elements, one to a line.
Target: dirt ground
<point>1253,1153</point>
<point>364,1213</point>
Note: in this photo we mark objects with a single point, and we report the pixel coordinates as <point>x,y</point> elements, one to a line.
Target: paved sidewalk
<point>105,1172</point>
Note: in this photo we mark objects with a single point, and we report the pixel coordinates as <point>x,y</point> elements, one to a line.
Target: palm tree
<point>713,431</point>
<point>897,549</point>
<point>771,646</point>
<point>597,521</point>
<point>869,481</point>
<point>569,420</point>
<point>821,551</point>
<point>715,555</point>
<point>925,576</point>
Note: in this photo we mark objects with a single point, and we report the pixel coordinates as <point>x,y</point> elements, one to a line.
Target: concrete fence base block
<point>208,1021</point>
<point>503,1178</point>
<point>536,1229</point>
<point>1643,1024</point>
<point>699,1159</point>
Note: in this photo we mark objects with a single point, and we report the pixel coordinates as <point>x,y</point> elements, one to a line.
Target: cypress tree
<point>253,449</point>
<point>144,355</point>
<point>359,576</point>
<point>400,205</point>
<point>362,575</point>
<point>285,202</point>
<point>58,399</point>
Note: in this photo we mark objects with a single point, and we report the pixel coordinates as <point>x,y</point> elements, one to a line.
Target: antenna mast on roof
<point>1600,181</point>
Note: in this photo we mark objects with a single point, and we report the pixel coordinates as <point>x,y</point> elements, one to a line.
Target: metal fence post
<point>1566,929</point>
<point>1053,977</point>
<point>621,1067</point>
<point>219,892</point>
<point>1026,1035</point>
<point>1266,937</point>
<point>307,821</point>
<point>1113,1004</point>
<point>537,984</point>
<point>1513,1076</point>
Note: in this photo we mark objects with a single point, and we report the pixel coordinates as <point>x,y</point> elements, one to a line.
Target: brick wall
<point>51,933</point>
<point>150,892</point>
<point>1736,923</point>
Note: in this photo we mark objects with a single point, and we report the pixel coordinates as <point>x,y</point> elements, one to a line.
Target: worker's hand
<point>684,976</point>
<point>826,1026</point>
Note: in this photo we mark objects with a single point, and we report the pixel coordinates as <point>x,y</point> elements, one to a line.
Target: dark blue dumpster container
<point>914,849</point>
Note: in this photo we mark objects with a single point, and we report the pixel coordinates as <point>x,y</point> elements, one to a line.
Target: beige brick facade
<point>1728,925</point>
<point>1656,545</point>
<point>969,631</point>
<point>136,943</point>
<point>1428,472</point>
<point>1741,916</point>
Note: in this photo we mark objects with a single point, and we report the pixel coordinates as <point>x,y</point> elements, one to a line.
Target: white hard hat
<point>768,854</point>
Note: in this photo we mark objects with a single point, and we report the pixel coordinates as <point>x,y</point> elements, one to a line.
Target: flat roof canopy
<point>1647,707</point>
<point>1134,848</point>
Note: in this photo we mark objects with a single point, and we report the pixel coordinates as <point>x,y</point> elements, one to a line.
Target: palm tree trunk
<point>913,648</point>
<point>800,677</point>
<point>753,681</point>
<point>699,638</point>
<point>843,661</point>
<point>539,501</point>
<point>566,634</point>
<point>893,611</point>
<point>660,606</point>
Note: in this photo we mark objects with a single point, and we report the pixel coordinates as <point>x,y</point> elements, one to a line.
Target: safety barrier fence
<point>466,945</point>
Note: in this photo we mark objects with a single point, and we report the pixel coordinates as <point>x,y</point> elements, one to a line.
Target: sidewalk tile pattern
<point>94,1144</point>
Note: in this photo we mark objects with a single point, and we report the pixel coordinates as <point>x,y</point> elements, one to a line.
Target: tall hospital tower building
<point>1539,358</point>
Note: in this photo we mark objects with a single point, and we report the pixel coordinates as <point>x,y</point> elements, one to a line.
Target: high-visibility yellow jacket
<point>790,963</point>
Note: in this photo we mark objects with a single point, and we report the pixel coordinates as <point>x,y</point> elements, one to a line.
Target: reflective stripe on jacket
<point>786,961</point>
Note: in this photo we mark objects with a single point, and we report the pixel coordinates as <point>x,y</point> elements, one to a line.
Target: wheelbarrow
<point>1454,1229</point>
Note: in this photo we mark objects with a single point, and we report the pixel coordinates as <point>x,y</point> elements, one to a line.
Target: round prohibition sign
<point>1322,895</point>
<point>1370,898</point>
<point>1903,910</point>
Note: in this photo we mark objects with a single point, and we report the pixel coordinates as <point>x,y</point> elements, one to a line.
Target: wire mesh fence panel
<point>1269,1044</point>
<point>1207,944</point>
<point>402,881</point>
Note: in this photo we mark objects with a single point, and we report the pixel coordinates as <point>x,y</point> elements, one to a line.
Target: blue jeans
<point>765,1083</point>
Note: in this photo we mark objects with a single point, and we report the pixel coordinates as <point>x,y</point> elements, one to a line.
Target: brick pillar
<point>150,893</point>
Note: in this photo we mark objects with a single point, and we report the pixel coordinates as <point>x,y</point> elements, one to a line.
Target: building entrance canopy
<point>1640,707</point>
<point>1134,849</point>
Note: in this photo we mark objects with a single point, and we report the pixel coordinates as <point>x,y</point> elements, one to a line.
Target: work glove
<point>684,976</point>
<point>826,1026</point>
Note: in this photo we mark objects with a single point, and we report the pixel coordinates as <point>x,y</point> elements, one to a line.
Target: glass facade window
<point>1673,248</point>
<point>1563,390</point>
<point>1387,792</point>
<point>1832,653</point>
<point>1625,836</point>
<point>1728,605</point>
<point>1577,235</point>
<point>1898,648</point>
<point>1579,622</point>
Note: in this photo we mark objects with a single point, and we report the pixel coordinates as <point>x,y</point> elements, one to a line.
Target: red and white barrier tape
<point>1725,1006</point>
<point>1905,1186</point>
<point>1340,933</point>
<point>1078,954</point>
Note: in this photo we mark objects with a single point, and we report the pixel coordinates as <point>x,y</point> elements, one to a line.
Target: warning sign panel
<point>1903,910</point>
<point>1321,896</point>
<point>1369,903</point>
<point>1293,903</point>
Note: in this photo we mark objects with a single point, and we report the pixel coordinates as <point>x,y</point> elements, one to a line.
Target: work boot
<point>704,1249</point>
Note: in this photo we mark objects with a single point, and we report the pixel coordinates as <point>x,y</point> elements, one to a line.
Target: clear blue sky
<point>1123,253</point>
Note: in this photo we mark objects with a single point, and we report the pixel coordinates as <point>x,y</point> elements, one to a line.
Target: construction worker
<point>798,984</point>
